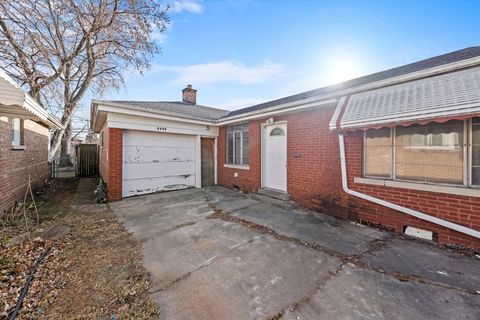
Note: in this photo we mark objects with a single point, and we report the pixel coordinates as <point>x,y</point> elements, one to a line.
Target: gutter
<point>315,101</point>
<point>410,212</point>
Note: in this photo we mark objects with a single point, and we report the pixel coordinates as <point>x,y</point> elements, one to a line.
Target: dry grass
<point>94,272</point>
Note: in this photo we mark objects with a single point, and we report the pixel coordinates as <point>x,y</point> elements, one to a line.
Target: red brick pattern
<point>463,210</point>
<point>314,180</point>
<point>115,161</point>
<point>310,180</point>
<point>247,180</point>
<point>17,165</point>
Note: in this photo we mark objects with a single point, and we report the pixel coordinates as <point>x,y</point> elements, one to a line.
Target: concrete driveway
<point>218,254</point>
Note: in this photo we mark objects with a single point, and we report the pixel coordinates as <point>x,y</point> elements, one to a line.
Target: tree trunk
<point>57,137</point>
<point>65,160</point>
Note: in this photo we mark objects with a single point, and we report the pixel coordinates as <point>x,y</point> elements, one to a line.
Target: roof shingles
<point>198,112</point>
<point>177,108</point>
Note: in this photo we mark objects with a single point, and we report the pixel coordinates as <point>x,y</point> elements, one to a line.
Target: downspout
<point>413,213</point>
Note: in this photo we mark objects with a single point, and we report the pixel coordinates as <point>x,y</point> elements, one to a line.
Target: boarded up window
<point>430,153</point>
<point>378,153</point>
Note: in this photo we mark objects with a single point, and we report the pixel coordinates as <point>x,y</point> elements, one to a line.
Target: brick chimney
<point>189,95</point>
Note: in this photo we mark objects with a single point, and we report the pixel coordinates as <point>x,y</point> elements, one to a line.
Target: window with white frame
<point>17,132</point>
<point>443,153</point>
<point>237,144</point>
<point>475,154</point>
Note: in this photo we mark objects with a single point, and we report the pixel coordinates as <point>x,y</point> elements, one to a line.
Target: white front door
<point>275,161</point>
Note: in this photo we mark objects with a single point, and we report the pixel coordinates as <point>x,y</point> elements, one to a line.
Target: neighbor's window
<point>378,153</point>
<point>237,144</point>
<point>17,132</point>
<point>476,151</point>
<point>432,153</point>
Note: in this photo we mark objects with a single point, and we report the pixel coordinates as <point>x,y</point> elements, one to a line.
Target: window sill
<point>18,147</point>
<point>237,166</point>
<point>462,191</point>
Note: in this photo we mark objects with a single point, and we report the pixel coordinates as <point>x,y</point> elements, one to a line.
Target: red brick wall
<point>247,180</point>
<point>17,165</point>
<point>310,180</point>
<point>462,210</point>
<point>114,165</point>
<point>314,180</point>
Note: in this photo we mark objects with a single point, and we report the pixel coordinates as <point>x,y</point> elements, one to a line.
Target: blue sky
<point>239,53</point>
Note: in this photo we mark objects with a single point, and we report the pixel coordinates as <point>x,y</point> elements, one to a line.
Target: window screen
<point>378,153</point>
<point>431,153</point>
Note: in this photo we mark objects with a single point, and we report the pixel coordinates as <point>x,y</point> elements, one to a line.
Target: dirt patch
<point>93,272</point>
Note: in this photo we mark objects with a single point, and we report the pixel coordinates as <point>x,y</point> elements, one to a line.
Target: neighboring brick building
<point>398,149</point>
<point>24,140</point>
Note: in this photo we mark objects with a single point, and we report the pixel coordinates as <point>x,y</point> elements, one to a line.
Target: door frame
<point>263,147</point>
<point>198,159</point>
<point>214,156</point>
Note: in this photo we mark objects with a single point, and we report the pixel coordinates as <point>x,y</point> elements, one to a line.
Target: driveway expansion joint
<point>375,245</point>
<point>176,227</point>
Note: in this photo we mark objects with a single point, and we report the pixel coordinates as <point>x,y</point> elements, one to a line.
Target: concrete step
<point>273,194</point>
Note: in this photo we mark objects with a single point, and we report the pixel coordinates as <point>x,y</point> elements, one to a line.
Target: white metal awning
<point>452,95</point>
<point>14,102</point>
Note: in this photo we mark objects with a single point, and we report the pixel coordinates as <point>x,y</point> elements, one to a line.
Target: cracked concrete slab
<point>427,262</point>
<point>203,267</point>
<point>153,215</point>
<point>254,281</point>
<point>363,294</point>
<point>334,234</point>
<point>177,253</point>
<point>228,200</point>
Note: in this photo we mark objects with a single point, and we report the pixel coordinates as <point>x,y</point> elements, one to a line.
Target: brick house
<point>399,148</point>
<point>24,142</point>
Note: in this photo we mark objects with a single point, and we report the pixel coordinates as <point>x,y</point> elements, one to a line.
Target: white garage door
<point>157,162</point>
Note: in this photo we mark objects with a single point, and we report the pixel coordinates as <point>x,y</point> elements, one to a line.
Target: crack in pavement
<point>374,246</point>
<point>205,264</point>
<point>176,227</point>
<point>292,307</point>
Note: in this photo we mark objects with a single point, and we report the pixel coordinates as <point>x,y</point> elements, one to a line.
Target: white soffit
<point>451,94</point>
<point>13,100</point>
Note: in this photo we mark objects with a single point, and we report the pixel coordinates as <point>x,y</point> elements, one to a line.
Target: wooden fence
<point>87,160</point>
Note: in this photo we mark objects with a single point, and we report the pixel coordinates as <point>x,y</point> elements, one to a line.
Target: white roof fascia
<point>290,107</point>
<point>26,102</point>
<point>138,111</point>
<point>293,105</point>
<point>373,85</point>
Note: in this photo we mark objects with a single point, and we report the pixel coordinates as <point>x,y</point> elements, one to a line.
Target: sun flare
<point>342,68</point>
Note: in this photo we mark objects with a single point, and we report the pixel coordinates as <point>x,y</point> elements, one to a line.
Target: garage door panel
<point>150,185</point>
<point>158,154</point>
<point>132,171</point>
<point>154,139</point>
<point>155,162</point>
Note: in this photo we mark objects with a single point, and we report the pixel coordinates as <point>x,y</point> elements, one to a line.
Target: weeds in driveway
<point>92,272</point>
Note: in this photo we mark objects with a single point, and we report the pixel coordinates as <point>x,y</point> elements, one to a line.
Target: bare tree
<point>58,50</point>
